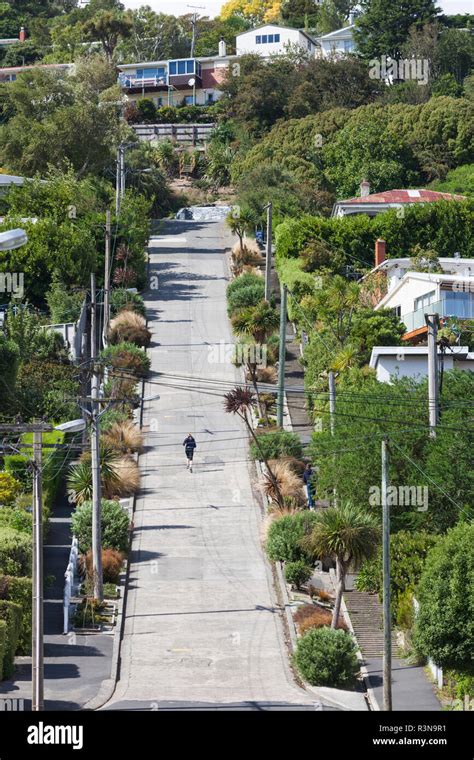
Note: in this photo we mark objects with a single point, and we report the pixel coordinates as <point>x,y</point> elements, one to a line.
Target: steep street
<point>202,625</point>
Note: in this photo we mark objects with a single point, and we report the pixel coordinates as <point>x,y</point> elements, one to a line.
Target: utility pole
<point>37,630</point>
<point>281,360</point>
<point>95,455</point>
<point>118,179</point>
<point>387,623</point>
<point>193,24</point>
<point>108,237</point>
<point>37,663</point>
<point>122,171</point>
<point>432,321</point>
<point>268,257</point>
<point>332,399</point>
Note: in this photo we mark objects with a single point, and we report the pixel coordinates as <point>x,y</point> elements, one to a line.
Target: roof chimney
<point>222,49</point>
<point>380,251</point>
<point>22,35</point>
<point>364,188</point>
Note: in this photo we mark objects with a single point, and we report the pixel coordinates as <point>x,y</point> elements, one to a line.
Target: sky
<point>212,7</point>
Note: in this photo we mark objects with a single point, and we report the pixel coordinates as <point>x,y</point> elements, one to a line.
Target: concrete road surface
<point>202,626</point>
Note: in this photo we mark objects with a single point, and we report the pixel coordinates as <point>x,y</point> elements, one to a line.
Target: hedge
<point>3,638</point>
<point>15,552</point>
<point>445,226</point>
<point>19,590</point>
<point>11,614</point>
<point>277,444</point>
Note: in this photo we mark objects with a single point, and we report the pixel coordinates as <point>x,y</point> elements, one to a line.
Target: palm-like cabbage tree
<point>240,223</point>
<point>347,534</point>
<point>79,479</point>
<point>256,322</point>
<point>240,401</point>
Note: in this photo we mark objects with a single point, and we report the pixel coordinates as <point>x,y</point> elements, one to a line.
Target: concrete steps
<point>365,612</point>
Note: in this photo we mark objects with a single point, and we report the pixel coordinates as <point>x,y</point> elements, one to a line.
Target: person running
<point>189,445</point>
<point>307,475</point>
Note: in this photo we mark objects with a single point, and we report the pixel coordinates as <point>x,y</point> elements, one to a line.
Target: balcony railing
<point>450,306</point>
<point>130,81</point>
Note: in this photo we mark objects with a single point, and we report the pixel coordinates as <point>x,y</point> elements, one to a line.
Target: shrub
<point>112,417</point>
<point>9,488</point>
<point>128,357</point>
<point>80,476</point>
<point>129,326</point>
<point>325,657</point>
<point>10,613</point>
<point>128,474</point>
<point>318,619</point>
<point>267,375</point>
<point>114,524</point>
<point>112,561</point>
<point>120,299</point>
<point>298,573</point>
<point>19,519</point>
<point>289,484</point>
<point>277,444</point>
<point>285,534</point>
<point>251,295</point>
<point>146,110</point>
<point>19,467</point>
<point>18,590</point>
<point>244,281</point>
<point>15,552</point>
<point>124,436</point>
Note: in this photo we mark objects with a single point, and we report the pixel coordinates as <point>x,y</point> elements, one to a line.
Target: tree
<point>42,131</point>
<point>109,27</point>
<point>254,11</point>
<point>240,402</point>
<point>154,37</point>
<point>300,13</point>
<point>240,223</point>
<point>349,535</point>
<point>383,29</point>
<point>444,625</point>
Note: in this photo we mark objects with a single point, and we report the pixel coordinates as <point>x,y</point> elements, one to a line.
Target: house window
<point>397,311</point>
<point>264,38</point>
<point>173,67</point>
<point>277,38</point>
<point>189,67</point>
<point>210,97</point>
<point>181,67</point>
<point>308,45</point>
<point>188,100</point>
<point>347,46</point>
<point>423,301</point>
<point>270,37</point>
<point>258,39</point>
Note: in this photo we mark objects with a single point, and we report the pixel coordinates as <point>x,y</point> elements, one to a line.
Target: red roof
<point>405,196</point>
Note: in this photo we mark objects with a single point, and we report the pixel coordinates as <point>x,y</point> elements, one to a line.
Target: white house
<point>338,43</point>
<point>271,39</point>
<point>412,361</point>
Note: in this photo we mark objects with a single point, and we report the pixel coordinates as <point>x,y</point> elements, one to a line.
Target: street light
<point>12,239</point>
<point>73,426</point>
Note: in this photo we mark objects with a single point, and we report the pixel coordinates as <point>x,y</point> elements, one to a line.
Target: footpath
<point>411,687</point>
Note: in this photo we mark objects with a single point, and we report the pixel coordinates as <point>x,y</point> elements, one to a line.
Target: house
<point>271,39</point>
<point>5,42</point>
<point>180,81</point>
<point>411,294</point>
<point>337,44</point>
<point>10,73</point>
<point>412,361</point>
<point>376,203</point>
